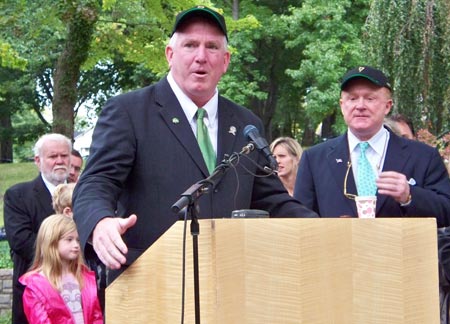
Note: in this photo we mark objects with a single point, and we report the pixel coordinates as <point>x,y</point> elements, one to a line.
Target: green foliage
<point>256,77</point>
<point>5,318</point>
<point>68,44</point>
<point>10,58</point>
<point>267,41</point>
<point>5,257</point>
<point>414,50</point>
<point>288,55</point>
<point>136,31</point>
<point>328,37</point>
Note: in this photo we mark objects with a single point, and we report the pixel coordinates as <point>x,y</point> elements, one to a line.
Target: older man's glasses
<point>346,194</point>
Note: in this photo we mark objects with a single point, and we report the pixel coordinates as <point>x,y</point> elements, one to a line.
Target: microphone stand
<point>189,200</point>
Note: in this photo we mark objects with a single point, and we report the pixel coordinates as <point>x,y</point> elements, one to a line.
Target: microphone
<point>252,133</point>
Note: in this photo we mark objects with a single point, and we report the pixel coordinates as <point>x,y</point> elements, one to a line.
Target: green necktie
<point>205,142</point>
<point>365,178</point>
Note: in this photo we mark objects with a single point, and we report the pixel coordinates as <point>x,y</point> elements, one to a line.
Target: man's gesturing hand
<point>107,240</point>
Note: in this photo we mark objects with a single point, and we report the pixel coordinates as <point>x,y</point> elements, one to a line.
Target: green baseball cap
<point>203,12</point>
<point>369,73</point>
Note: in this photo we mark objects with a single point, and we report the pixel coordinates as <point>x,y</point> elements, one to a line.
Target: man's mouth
<point>201,73</point>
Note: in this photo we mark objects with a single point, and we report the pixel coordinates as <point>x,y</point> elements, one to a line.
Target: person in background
<point>149,147</point>
<point>76,163</point>
<point>62,204</point>
<point>409,178</point>
<point>59,288</point>
<point>288,153</point>
<point>62,199</point>
<point>27,204</point>
<point>401,125</point>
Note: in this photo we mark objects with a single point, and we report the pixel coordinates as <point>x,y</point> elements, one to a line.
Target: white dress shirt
<point>50,186</point>
<point>190,110</point>
<point>375,153</point>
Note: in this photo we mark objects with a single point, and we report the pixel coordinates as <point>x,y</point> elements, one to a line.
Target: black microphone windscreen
<point>248,129</point>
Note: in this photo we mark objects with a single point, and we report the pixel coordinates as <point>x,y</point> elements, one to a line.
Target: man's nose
<point>201,53</point>
<point>360,103</point>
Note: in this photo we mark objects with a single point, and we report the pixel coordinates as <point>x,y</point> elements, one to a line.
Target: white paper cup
<point>366,206</point>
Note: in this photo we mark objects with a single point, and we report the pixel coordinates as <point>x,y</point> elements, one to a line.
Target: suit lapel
<point>229,129</point>
<point>175,119</point>
<point>338,159</point>
<point>43,196</point>
<point>397,155</point>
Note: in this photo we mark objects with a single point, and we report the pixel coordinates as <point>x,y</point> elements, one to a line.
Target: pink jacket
<point>44,305</point>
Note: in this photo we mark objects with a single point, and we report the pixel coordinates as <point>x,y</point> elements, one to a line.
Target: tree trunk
<point>327,123</point>
<point>235,9</point>
<point>6,143</point>
<point>308,137</point>
<point>74,54</point>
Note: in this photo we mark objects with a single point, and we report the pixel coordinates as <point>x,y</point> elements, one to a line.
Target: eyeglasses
<point>346,194</point>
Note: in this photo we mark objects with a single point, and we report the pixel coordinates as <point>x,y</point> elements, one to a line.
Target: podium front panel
<point>287,271</point>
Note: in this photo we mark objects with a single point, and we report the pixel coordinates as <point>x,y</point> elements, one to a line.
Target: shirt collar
<point>50,186</point>
<point>376,142</point>
<point>189,107</point>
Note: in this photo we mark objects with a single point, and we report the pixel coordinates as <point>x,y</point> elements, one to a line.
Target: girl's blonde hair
<point>62,197</point>
<point>47,258</point>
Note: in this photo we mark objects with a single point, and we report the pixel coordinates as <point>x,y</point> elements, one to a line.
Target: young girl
<point>59,288</point>
<point>62,198</point>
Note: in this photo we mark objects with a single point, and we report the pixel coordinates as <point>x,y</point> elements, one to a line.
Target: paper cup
<point>366,206</point>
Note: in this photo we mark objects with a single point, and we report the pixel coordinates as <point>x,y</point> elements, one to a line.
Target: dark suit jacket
<point>144,155</point>
<point>26,205</point>
<point>320,180</point>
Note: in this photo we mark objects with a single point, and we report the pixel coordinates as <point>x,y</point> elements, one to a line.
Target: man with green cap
<point>408,178</point>
<point>146,150</point>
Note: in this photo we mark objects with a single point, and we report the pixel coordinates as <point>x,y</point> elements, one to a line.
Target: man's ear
<point>389,105</point>
<point>169,54</point>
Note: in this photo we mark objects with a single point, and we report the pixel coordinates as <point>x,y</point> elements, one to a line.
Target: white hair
<point>50,137</point>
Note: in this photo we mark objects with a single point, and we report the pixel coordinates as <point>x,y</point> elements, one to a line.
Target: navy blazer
<point>320,180</point>
<point>26,205</point>
<point>144,155</point>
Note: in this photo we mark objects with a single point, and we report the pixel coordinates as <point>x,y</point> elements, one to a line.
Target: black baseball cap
<point>369,73</point>
<point>203,12</point>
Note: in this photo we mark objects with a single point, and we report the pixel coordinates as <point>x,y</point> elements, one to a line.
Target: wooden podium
<point>344,271</point>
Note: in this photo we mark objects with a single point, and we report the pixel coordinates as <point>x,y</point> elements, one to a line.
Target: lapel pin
<point>338,160</point>
<point>175,120</point>
<point>232,130</point>
<point>412,182</point>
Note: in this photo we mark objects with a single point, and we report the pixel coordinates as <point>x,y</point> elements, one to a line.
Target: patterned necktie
<point>365,178</point>
<point>205,142</point>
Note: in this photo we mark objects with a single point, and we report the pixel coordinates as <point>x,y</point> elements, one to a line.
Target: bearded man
<point>27,204</point>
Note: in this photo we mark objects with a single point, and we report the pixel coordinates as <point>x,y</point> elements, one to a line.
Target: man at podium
<point>145,153</point>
